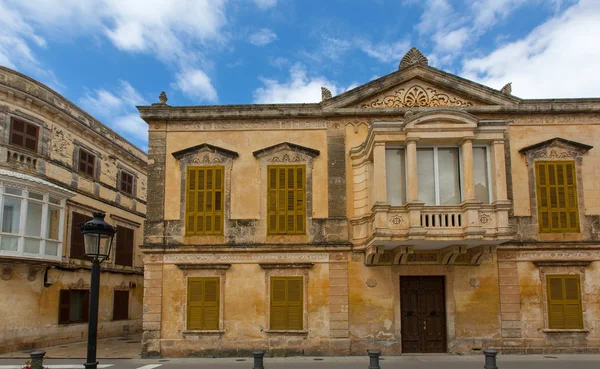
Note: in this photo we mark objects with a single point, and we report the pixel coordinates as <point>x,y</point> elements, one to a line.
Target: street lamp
<point>97,237</point>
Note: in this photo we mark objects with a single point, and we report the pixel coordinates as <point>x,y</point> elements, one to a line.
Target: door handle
<point>424,325</point>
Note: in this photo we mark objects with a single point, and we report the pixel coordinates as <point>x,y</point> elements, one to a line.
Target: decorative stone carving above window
<point>555,149</point>
<point>286,152</point>
<point>416,96</point>
<point>204,154</point>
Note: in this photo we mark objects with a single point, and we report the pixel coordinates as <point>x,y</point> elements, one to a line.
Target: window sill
<point>203,332</point>
<point>288,332</point>
<point>566,330</point>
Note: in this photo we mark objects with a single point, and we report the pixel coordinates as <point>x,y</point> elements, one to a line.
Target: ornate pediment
<point>416,94</point>
<point>204,154</point>
<point>286,152</point>
<point>556,148</point>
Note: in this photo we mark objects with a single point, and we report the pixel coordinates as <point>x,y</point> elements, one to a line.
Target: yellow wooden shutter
<point>287,306</point>
<point>203,304</point>
<point>205,201</point>
<point>564,302</point>
<point>557,196</point>
<point>286,199</point>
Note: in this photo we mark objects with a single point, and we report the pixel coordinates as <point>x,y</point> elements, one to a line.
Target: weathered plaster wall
<point>30,311</point>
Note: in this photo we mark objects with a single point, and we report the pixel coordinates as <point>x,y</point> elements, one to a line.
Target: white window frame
<point>436,173</point>
<point>488,169</point>
<point>24,197</point>
<point>400,147</point>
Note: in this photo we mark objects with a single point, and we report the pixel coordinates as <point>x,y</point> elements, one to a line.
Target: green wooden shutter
<point>564,302</point>
<point>203,304</point>
<point>205,201</point>
<point>557,196</point>
<point>287,296</point>
<point>286,199</point>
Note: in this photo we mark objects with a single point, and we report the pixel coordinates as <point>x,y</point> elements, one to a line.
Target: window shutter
<point>557,196</point>
<point>77,245</point>
<point>205,201</point>
<point>124,247</point>
<point>286,200</point>
<point>211,304</point>
<point>294,304</point>
<point>564,302</point>
<point>278,304</point>
<point>121,305</point>
<point>64,307</point>
<point>195,292</point>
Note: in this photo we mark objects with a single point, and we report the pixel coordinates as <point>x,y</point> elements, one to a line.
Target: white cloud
<point>383,52</point>
<point>279,62</point>
<point>117,110</point>
<point>298,89</point>
<point>557,59</point>
<point>195,83</point>
<point>265,4</point>
<point>262,37</point>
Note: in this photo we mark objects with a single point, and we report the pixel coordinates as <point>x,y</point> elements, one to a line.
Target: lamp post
<point>97,238</point>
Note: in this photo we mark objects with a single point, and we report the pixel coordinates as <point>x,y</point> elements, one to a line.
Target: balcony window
<point>31,224</point>
<point>481,175</point>
<point>438,173</point>
<point>395,173</point>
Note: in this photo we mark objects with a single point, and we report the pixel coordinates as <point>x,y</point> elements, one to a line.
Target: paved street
<point>412,362</point>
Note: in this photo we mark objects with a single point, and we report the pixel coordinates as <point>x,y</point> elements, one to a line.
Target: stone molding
<point>550,255</point>
<point>286,265</point>
<point>245,258</point>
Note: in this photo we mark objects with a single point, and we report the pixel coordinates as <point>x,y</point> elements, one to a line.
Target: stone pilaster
<point>154,224</point>
<point>510,307</point>
<point>468,172</point>
<point>152,308</point>
<point>336,171</point>
<point>338,304</point>
<point>411,169</point>
<point>499,172</point>
<point>379,181</point>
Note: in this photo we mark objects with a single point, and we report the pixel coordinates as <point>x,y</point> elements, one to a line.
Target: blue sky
<point>108,56</point>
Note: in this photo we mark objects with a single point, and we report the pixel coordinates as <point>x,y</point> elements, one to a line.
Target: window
<point>287,306</point>
<point>286,199</point>
<point>77,246</point>
<point>124,249</point>
<point>395,174</point>
<point>204,206</point>
<point>203,304</point>
<point>31,224</point>
<point>74,306</point>
<point>87,162</point>
<point>438,174</point>
<point>564,302</point>
<point>126,183</point>
<point>121,305</point>
<point>557,196</point>
<point>480,174</point>
<point>24,134</point>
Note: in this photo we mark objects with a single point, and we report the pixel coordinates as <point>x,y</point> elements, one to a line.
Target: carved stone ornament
<point>555,148</point>
<point>163,97</point>
<point>507,89</point>
<point>285,158</point>
<point>396,220</point>
<point>207,159</point>
<point>371,282</point>
<point>484,218</point>
<point>325,94</point>
<point>412,57</point>
<point>7,271</point>
<point>416,96</point>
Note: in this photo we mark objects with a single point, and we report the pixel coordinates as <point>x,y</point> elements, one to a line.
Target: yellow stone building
<point>57,166</point>
<point>418,213</point>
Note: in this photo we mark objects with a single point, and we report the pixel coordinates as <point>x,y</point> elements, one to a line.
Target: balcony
<point>415,233</point>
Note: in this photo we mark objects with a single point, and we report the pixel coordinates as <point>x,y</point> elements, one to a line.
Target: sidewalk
<point>127,347</point>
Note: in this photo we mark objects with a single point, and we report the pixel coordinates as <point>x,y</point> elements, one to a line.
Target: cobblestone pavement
<point>410,362</point>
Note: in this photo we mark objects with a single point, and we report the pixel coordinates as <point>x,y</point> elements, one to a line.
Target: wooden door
<point>423,314</point>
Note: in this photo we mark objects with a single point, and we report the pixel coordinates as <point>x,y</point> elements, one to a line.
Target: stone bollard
<point>374,359</point>
<point>258,359</point>
<point>37,359</point>
<point>490,359</point>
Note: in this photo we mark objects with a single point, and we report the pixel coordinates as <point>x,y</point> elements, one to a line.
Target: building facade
<point>57,166</point>
<point>418,213</point>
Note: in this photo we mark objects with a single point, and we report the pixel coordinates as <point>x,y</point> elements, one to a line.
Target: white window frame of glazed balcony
<point>389,179</point>
<point>20,235</point>
<point>488,172</point>
<point>436,174</point>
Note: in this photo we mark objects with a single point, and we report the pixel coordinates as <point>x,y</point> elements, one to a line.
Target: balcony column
<point>411,169</point>
<point>379,176</point>
<point>466,147</point>
<point>413,204</point>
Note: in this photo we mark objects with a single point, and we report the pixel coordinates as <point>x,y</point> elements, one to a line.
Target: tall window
<point>438,173</point>
<point>121,305</point>
<point>480,174</point>
<point>24,134</point>
<point>77,247</point>
<point>564,302</point>
<point>87,162</point>
<point>205,200</point>
<point>203,304</point>
<point>557,196</point>
<point>73,306</point>
<point>31,223</point>
<point>124,249</point>
<point>395,174</point>
<point>286,199</point>
<point>126,183</point>
<point>287,306</point>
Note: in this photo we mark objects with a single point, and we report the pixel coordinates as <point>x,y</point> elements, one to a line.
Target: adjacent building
<point>418,213</point>
<point>58,165</point>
